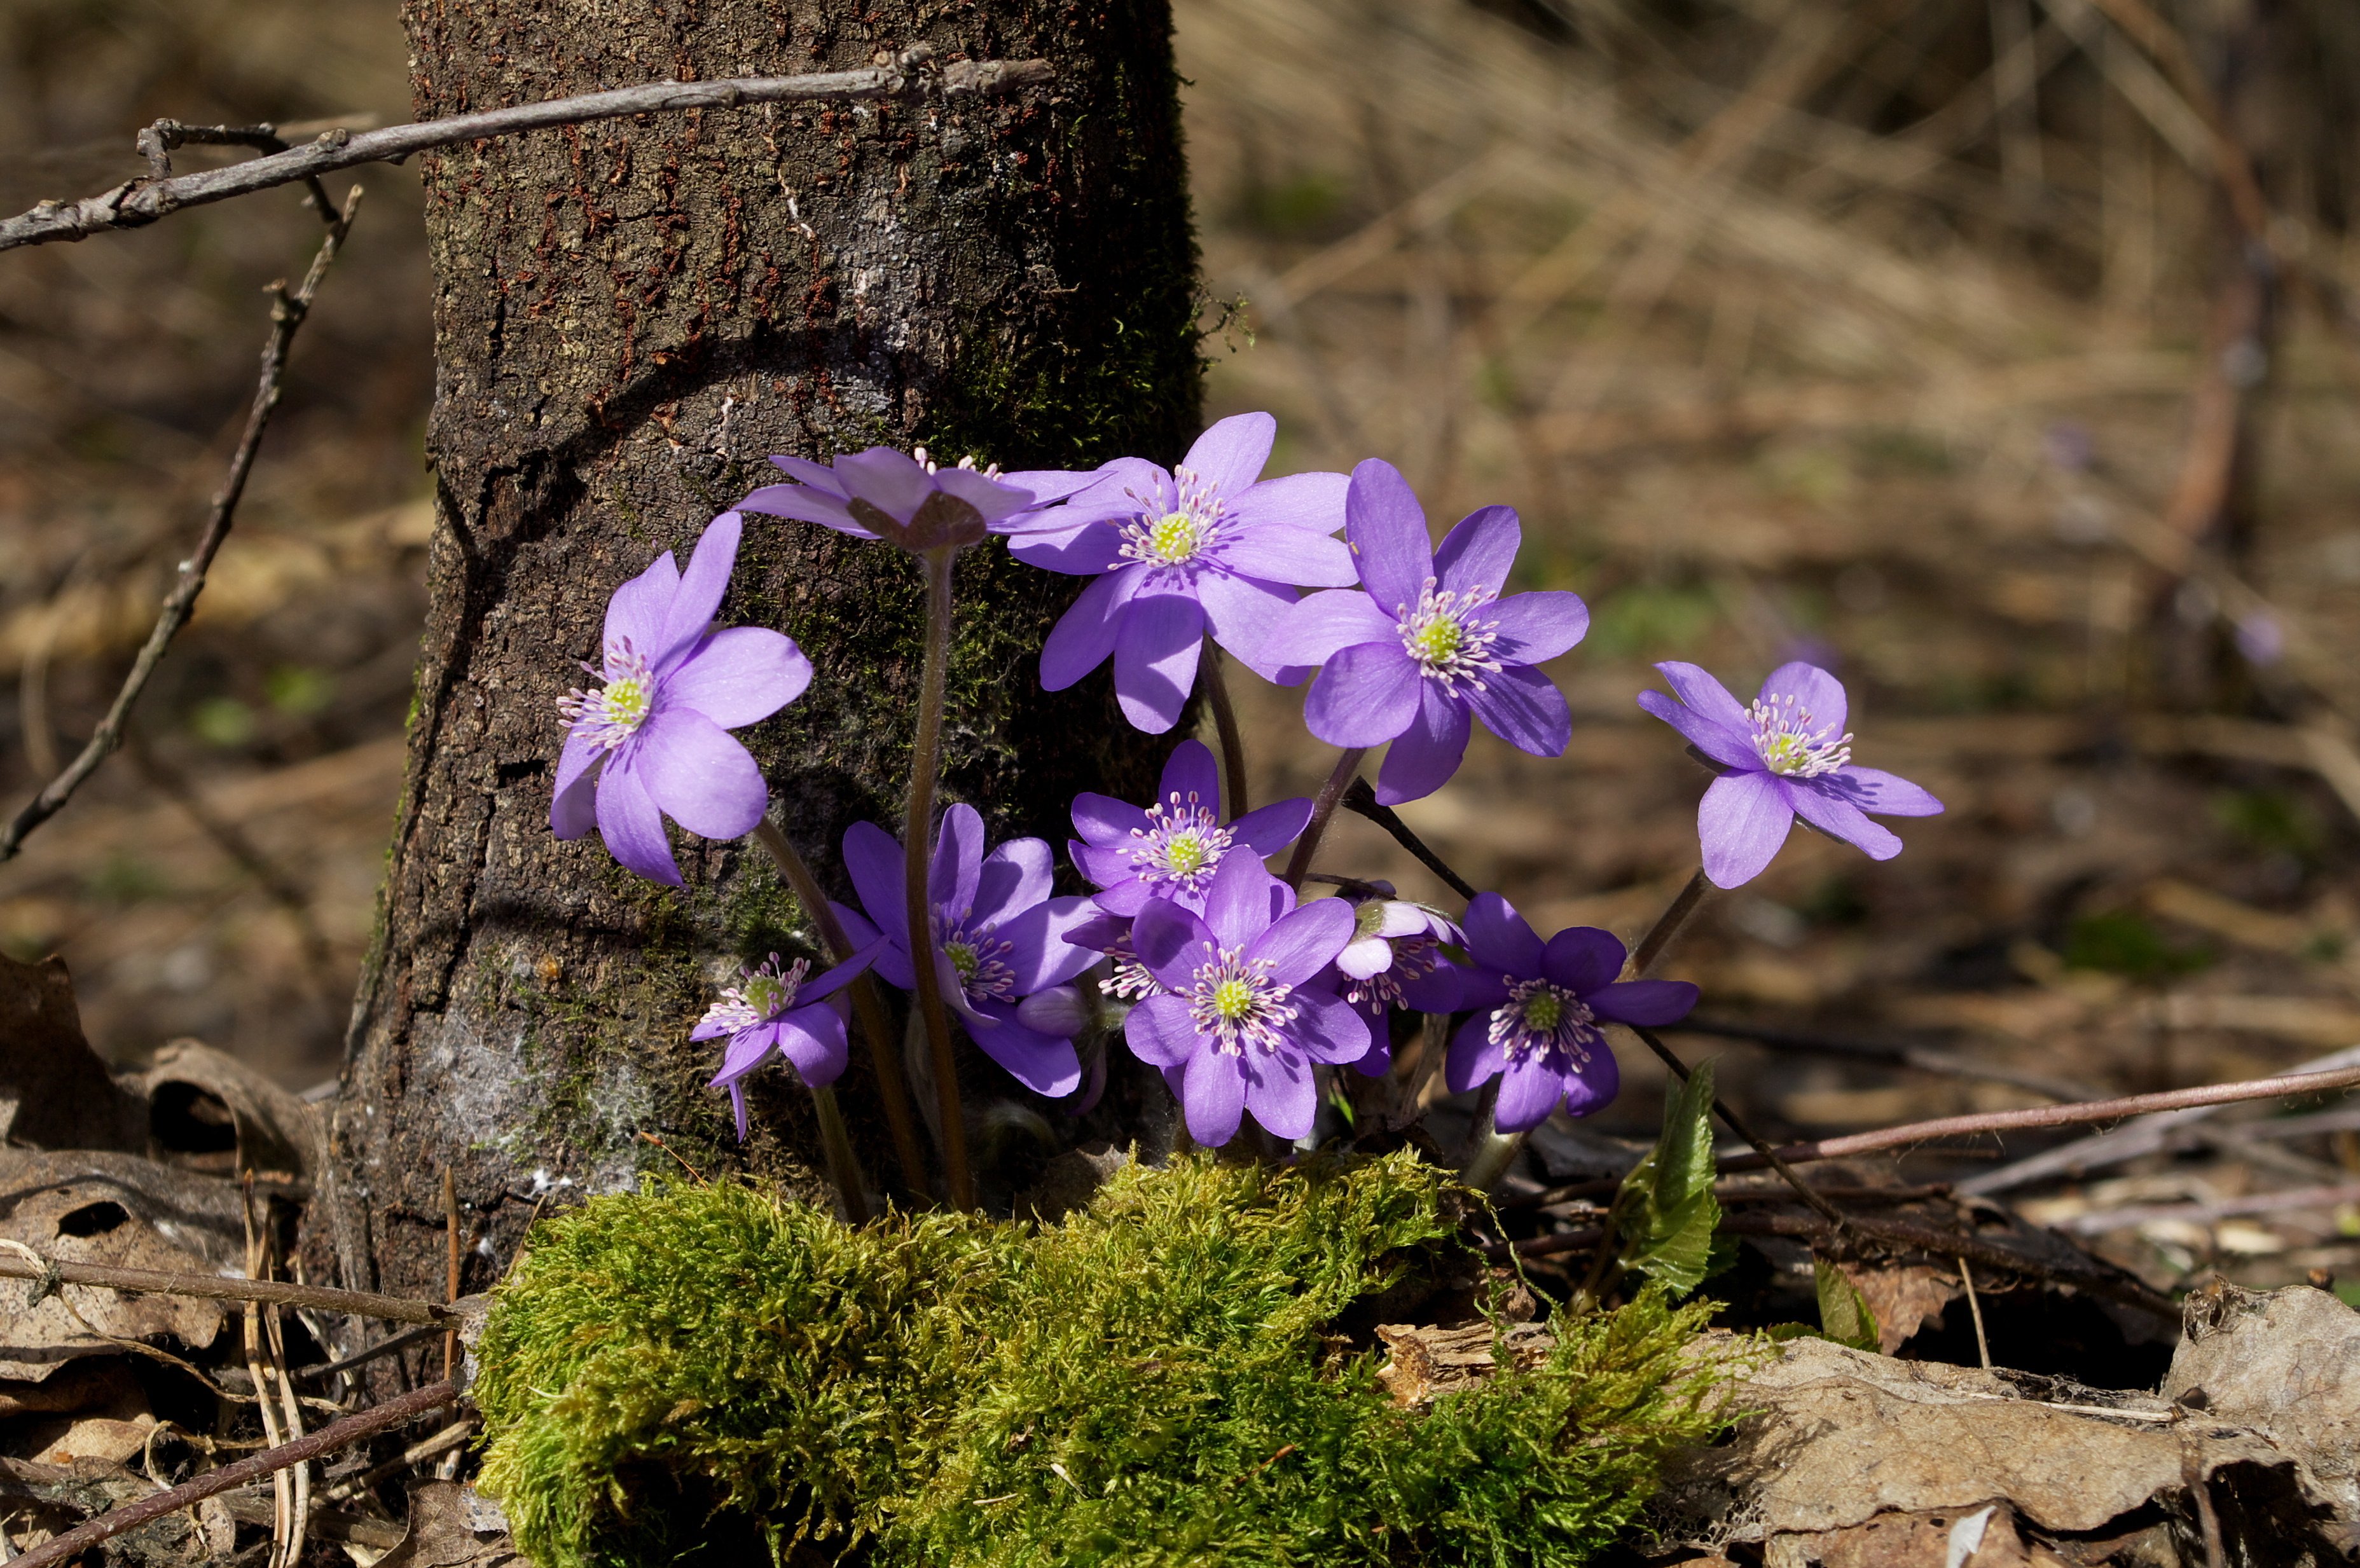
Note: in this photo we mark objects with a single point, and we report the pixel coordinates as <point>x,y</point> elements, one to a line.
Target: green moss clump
<point>706,1371</point>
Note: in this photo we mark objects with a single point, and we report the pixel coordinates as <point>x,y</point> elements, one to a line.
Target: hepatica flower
<point>1209,544</point>
<point>1426,641</point>
<point>1170,849</point>
<point>1395,960</point>
<point>774,1009</point>
<point>908,499</point>
<point>1785,756</point>
<point>652,742</point>
<point>999,938</point>
<point>1237,1014</point>
<point>1537,1011</point>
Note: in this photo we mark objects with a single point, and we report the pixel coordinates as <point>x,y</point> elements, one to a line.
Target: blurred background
<point>1995,353</point>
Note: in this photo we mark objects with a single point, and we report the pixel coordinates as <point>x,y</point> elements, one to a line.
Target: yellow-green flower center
<point>1544,1010</point>
<point>1232,1000</point>
<point>628,699</point>
<point>1185,855</point>
<point>1172,537</point>
<point>963,958</point>
<point>765,994</point>
<point>1439,640</point>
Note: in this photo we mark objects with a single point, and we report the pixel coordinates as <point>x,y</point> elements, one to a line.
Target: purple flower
<point>1174,553</point>
<point>1170,849</point>
<point>1236,1014</point>
<point>998,937</point>
<point>1427,639</point>
<point>1783,757</point>
<point>907,498</point>
<point>652,743</point>
<point>773,1010</point>
<point>1395,960</point>
<point>1537,1012</point>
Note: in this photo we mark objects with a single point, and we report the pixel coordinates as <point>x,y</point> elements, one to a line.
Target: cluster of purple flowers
<point>1210,967</point>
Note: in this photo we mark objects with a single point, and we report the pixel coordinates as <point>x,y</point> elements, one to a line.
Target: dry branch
<point>210,1287</point>
<point>138,202</point>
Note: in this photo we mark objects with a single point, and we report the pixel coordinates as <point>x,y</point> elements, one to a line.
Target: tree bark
<point>629,317</point>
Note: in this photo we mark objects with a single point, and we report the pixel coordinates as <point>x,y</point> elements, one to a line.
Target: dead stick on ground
<point>450,1242</point>
<point>287,314</point>
<point>207,1287</point>
<point>327,1440</point>
<point>138,202</point>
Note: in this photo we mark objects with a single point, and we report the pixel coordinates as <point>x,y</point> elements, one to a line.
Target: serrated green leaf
<point>1845,1315</point>
<point>1669,1214</point>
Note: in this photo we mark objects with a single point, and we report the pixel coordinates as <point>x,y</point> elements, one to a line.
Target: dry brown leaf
<point>1427,1362</point>
<point>1905,1297</point>
<point>55,1093</point>
<point>191,1087</point>
<point>2286,1363</point>
<point>452,1527</point>
<point>84,1387</point>
<point>99,1440</point>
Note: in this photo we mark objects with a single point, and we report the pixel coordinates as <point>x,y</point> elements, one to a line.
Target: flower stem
<point>1490,1152</point>
<point>867,1005</point>
<point>843,1165</point>
<point>925,760</point>
<point>1667,926</point>
<point>1225,726</point>
<point>1323,806</point>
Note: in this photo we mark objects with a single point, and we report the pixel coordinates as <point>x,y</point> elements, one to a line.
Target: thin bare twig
<point>63,1549</point>
<point>138,202</point>
<point>1730,1118</point>
<point>1361,801</point>
<point>1922,1058</point>
<point>212,1287</point>
<point>287,314</point>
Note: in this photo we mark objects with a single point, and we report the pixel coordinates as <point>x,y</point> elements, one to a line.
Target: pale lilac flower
<point>1785,756</point>
<point>773,1010</point>
<point>1237,1013</point>
<point>2261,639</point>
<point>907,498</point>
<point>653,741</point>
<point>1395,960</point>
<point>1109,936</point>
<point>1170,849</point>
<point>1537,1008</point>
<point>998,936</point>
<point>1426,641</point>
<point>1202,546</point>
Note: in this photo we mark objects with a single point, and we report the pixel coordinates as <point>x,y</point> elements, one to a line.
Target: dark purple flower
<point>774,1009</point>
<point>653,742</point>
<point>1538,1010</point>
<point>1786,757</point>
<point>1236,1014</point>
<point>1395,960</point>
<point>1175,552</point>
<point>1170,849</point>
<point>998,936</point>
<point>907,498</point>
<point>1427,639</point>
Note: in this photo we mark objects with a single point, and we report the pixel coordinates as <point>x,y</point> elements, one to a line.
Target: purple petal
<point>1740,824</point>
<point>739,677</point>
<point>1123,894</point>
<point>744,1052</point>
<point>1243,613</point>
<point>1106,821</point>
<point>1106,867</point>
<point>804,503</point>
<point>573,807</point>
<point>957,867</point>
<point>1594,1084</point>
<point>1480,550</point>
<point>1042,1063</point>
<point>1269,829</point>
<point>1367,694</point>
<point>1647,1003</point>
<point>1497,938</point>
<point>1881,793</point>
<point>1160,1032</point>
<point>1230,453</point>
<point>1281,553</point>
<point>637,612</point>
<point>1214,1094</point>
<point>893,481</point>
<point>1190,774</point>
<point>1701,692</point>
<point>697,775</point>
<point>813,1039</point>
<point>1155,658</point>
<point>1364,957</point>
<point>825,985</point>
<point>1529,1091</point>
<point>632,827</point>
<point>1172,942</point>
<point>1015,876</point>
<point>1536,628</point>
<point>994,499</point>
<point>1583,959</point>
<point>1730,748</point>
<point>1128,487</point>
<point>1048,486</point>
<point>1085,635</point>
<point>872,857</point>
<point>1304,942</point>
<point>1474,1058</point>
<point>1313,501</point>
<point>1237,902</point>
<point>1328,1029</point>
<point>1424,757</point>
<point>1387,528</point>
<point>1283,1093</point>
<point>1814,692</point>
<point>1311,631</point>
<point>692,608</point>
<point>1100,934</point>
<point>1038,950</point>
<point>1083,550</point>
<point>1839,818</point>
<point>1523,707</point>
<point>1057,1012</point>
<point>1442,989</point>
<point>818,476</point>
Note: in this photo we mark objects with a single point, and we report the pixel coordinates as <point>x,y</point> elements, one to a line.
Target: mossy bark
<point>629,317</point>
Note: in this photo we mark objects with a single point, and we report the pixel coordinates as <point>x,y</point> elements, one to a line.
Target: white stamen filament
<point>1448,638</point>
<point>608,717</point>
<point>1790,746</point>
<point>1232,999</point>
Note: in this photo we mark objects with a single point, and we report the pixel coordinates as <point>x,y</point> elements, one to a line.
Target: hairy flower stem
<point>1492,1151</point>
<point>866,1006</point>
<point>1224,727</point>
<point>925,760</point>
<point>843,1165</point>
<point>1323,806</point>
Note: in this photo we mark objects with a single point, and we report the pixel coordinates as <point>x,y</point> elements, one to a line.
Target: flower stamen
<point>1789,743</point>
<point>608,717</point>
<point>1447,638</point>
<point>979,958</point>
<point>1541,1016</point>
<point>1233,999</point>
<point>1179,536</point>
<point>763,995</point>
<point>1181,845</point>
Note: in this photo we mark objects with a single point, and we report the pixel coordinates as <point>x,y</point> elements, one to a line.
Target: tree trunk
<point>630,317</point>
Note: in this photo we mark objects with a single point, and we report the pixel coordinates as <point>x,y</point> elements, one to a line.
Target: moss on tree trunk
<point>630,317</point>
